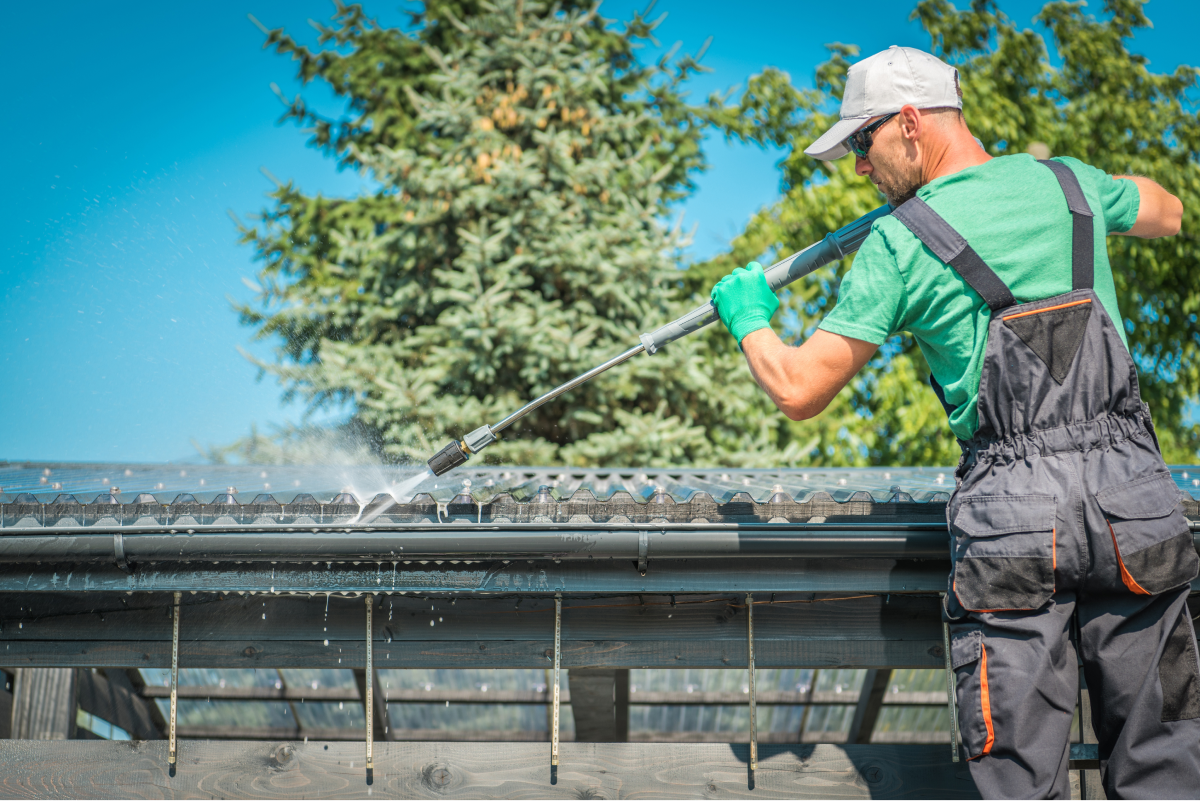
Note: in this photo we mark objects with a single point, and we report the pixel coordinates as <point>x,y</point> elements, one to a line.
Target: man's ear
<point>911,124</point>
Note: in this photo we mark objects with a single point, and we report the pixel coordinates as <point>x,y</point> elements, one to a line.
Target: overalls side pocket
<point>968,657</point>
<point>1004,555</point>
<point>1154,545</point>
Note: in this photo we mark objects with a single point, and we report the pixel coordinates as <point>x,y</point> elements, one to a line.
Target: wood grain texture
<point>103,630</point>
<point>463,770</point>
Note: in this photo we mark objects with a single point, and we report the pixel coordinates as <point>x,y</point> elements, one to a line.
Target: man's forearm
<point>801,381</point>
<point>771,364</point>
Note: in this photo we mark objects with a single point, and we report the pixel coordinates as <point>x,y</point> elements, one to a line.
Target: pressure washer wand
<point>834,246</point>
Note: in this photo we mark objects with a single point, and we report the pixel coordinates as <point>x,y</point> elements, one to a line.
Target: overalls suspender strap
<point>949,246</point>
<point>1083,243</point>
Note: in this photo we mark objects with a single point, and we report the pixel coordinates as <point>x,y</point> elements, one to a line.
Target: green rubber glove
<point>745,301</point>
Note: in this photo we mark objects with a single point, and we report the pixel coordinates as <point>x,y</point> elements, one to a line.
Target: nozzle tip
<point>447,458</point>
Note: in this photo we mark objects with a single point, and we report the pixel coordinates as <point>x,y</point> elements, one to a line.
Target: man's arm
<point>1159,212</point>
<point>803,380</point>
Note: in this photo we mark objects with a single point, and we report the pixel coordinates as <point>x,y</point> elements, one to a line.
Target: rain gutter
<point>488,541</point>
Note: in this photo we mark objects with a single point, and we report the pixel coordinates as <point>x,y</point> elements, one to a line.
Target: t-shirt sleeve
<point>1119,197</point>
<point>871,301</point>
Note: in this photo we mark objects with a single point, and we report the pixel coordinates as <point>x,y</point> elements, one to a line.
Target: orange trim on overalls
<point>1048,308</point>
<point>1128,580</point>
<point>984,703</point>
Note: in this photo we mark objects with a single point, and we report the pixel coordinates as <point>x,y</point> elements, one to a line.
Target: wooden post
<point>870,701</point>
<point>44,701</point>
<point>600,703</point>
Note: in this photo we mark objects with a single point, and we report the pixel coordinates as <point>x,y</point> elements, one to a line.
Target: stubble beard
<point>898,182</point>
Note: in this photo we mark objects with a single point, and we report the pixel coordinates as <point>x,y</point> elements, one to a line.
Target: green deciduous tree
<point>1103,106</point>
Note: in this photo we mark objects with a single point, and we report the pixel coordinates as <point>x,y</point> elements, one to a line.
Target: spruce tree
<point>516,240</point>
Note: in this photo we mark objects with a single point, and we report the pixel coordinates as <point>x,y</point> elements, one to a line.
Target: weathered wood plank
<point>44,702</point>
<point>619,632</point>
<point>643,697</point>
<point>648,617</point>
<point>477,653</point>
<point>540,577</point>
<point>463,770</point>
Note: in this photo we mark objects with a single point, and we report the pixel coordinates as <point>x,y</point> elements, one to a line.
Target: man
<point>1066,530</point>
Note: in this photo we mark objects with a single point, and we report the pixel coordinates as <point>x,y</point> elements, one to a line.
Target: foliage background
<point>526,160</point>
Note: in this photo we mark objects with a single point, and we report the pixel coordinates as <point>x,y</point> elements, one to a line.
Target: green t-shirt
<point>1013,213</point>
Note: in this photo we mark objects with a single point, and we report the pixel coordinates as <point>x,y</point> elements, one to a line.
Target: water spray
<point>834,246</point>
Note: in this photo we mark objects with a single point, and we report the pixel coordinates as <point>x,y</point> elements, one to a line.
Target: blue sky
<point>134,128</point>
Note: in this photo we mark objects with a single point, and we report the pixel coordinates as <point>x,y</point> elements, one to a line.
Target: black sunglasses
<point>859,142</point>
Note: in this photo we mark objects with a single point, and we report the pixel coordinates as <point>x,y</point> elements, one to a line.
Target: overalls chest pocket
<point>1154,546</point>
<point>1004,556</point>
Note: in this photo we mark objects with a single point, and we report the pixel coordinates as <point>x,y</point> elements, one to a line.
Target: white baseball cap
<point>883,84</point>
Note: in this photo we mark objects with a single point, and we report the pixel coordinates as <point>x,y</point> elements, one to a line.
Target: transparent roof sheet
<point>48,481</point>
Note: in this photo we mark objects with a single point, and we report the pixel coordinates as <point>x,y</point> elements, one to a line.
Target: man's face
<point>893,163</point>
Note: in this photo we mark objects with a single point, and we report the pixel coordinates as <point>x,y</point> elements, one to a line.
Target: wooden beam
<point>44,701</point>
<point>464,770</point>
<point>594,704</point>
<point>117,704</point>
<point>639,697</point>
<point>622,694</point>
<point>265,630</point>
<point>870,701</point>
<point>323,733</point>
<point>517,576</point>
<point>6,706</point>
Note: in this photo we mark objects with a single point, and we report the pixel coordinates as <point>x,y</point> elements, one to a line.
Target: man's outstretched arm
<point>1159,212</point>
<point>803,380</point>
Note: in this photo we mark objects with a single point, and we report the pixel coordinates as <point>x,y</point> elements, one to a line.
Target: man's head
<point>901,114</point>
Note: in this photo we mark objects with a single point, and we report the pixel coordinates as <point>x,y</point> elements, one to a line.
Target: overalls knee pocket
<point>1004,552</point>
<point>1153,543</point>
<point>974,692</point>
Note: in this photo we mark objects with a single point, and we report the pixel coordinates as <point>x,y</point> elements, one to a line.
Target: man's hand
<point>745,301</point>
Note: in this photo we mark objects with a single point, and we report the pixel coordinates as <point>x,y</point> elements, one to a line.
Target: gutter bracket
<point>119,553</point>
<point>643,551</point>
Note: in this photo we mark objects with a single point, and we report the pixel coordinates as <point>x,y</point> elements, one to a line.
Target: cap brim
<point>832,145</point>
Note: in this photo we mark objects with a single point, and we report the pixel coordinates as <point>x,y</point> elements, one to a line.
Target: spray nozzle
<point>448,458</point>
<point>457,453</point>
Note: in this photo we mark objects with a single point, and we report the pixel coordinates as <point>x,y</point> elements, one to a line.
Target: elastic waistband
<point>1073,437</point>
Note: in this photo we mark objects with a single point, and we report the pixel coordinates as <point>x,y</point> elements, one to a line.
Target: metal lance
<point>834,246</point>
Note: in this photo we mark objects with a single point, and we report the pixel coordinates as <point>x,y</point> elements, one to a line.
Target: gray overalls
<point>1064,508</point>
